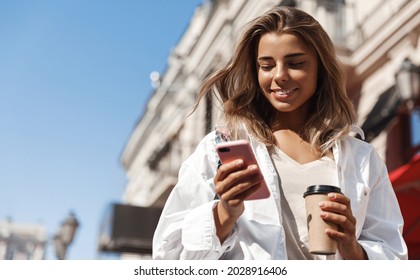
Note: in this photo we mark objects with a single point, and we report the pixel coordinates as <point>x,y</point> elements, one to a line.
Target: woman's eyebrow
<point>264,58</point>
<point>290,55</point>
<point>295,54</point>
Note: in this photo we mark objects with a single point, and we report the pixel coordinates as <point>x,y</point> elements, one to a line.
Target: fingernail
<point>332,196</point>
<point>239,162</point>
<point>252,167</point>
<point>321,204</point>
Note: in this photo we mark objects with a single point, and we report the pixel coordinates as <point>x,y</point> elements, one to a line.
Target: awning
<point>406,175</point>
<point>406,183</point>
<point>382,113</point>
<point>128,229</point>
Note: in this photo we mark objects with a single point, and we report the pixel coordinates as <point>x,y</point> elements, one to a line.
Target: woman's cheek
<point>264,79</point>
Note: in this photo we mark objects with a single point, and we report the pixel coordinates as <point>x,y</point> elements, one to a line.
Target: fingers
<point>236,195</point>
<point>234,181</point>
<point>227,168</point>
<point>337,210</point>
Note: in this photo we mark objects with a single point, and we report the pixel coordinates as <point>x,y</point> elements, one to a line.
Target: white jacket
<point>186,228</point>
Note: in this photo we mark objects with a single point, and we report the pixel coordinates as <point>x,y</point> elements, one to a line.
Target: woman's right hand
<point>234,182</point>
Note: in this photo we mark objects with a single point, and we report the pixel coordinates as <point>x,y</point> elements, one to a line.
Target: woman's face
<point>287,71</point>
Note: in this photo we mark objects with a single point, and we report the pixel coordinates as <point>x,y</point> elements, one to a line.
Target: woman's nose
<point>281,75</point>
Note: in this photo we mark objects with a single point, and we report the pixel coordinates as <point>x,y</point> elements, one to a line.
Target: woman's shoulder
<point>208,141</point>
<point>356,142</point>
<point>357,148</point>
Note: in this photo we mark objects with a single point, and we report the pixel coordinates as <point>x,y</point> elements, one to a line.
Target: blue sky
<point>74,79</point>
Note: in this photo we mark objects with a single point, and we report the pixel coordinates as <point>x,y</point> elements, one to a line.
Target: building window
<point>289,3</point>
<point>333,16</point>
<point>331,6</point>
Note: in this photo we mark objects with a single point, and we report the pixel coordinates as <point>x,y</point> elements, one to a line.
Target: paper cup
<point>319,242</point>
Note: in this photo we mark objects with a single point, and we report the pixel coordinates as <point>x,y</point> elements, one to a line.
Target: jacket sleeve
<point>381,235</point>
<point>186,228</point>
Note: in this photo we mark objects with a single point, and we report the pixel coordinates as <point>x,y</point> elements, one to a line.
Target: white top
<point>294,178</point>
<point>186,229</point>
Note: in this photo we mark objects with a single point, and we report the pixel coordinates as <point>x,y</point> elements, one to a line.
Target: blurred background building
<point>22,241</point>
<point>376,40</point>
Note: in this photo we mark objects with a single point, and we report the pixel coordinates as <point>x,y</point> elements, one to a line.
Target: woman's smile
<point>283,93</point>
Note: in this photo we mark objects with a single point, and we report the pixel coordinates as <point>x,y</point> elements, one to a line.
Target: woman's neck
<point>289,121</point>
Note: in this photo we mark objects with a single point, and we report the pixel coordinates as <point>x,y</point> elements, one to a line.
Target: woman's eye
<point>296,64</point>
<point>266,67</point>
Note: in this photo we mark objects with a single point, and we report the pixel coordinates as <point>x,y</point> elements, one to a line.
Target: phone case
<point>240,149</point>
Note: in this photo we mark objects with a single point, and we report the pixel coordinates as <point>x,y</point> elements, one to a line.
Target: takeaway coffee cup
<point>319,242</point>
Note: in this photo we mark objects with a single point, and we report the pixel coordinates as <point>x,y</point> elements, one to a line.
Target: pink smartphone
<point>240,149</point>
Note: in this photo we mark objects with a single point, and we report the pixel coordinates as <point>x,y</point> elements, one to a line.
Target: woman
<point>284,91</point>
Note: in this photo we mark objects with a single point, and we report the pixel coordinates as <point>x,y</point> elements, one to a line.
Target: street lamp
<point>64,237</point>
<point>408,83</point>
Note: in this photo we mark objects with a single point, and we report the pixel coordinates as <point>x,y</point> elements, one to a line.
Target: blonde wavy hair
<point>236,84</point>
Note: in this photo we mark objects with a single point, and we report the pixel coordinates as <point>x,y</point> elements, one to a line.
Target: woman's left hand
<point>338,210</point>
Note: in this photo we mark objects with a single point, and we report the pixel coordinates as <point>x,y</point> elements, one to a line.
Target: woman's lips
<point>283,93</point>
